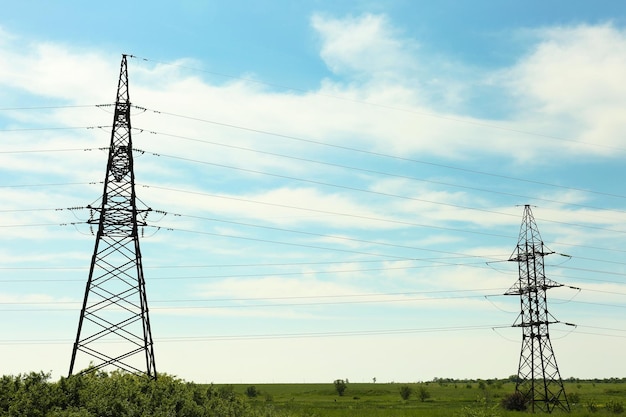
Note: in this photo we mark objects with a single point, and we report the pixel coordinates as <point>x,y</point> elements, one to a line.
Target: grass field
<point>445,399</point>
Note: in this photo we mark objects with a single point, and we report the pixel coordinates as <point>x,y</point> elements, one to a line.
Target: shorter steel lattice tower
<point>538,377</point>
<point>114,328</point>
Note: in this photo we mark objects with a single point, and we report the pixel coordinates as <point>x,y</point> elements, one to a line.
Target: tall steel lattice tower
<point>538,377</point>
<point>114,328</point>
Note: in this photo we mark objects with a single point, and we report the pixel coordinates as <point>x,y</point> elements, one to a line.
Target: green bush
<point>117,394</point>
<point>405,392</point>
<point>615,407</point>
<point>515,402</point>
<point>251,391</point>
<point>573,398</point>
<point>423,393</point>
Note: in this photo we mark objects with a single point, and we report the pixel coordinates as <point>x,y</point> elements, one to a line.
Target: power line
<point>371,171</point>
<point>334,185</point>
<point>255,275</point>
<point>389,256</point>
<point>365,241</point>
<point>50,107</point>
<point>438,262</point>
<point>299,297</point>
<point>389,107</point>
<point>329,236</point>
<point>49,150</point>
<point>303,335</point>
<point>284,230</point>
<point>27,129</point>
<point>266,336</point>
<point>356,216</point>
<point>60,184</point>
<point>380,154</point>
<point>374,298</point>
<point>457,206</point>
<point>332,297</point>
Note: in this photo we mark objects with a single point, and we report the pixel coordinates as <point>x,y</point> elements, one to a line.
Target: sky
<point>337,187</point>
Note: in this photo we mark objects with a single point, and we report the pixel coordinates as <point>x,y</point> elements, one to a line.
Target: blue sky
<point>343,182</point>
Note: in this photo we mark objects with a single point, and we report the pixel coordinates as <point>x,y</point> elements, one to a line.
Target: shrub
<point>405,392</point>
<point>251,391</point>
<point>514,402</point>
<point>615,407</point>
<point>115,394</point>
<point>591,406</point>
<point>423,393</point>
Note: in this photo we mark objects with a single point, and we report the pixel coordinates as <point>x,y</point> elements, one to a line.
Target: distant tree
<point>340,386</point>
<point>513,378</point>
<point>405,392</point>
<point>374,380</point>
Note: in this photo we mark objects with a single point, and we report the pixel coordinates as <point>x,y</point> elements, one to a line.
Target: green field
<point>446,398</point>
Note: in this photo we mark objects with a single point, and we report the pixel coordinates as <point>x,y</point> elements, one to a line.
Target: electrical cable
<point>372,242</point>
<point>389,107</point>
<point>266,336</point>
<point>307,233</point>
<point>51,107</point>
<point>371,171</point>
<point>383,155</point>
<point>329,236</point>
<point>32,129</point>
<point>388,256</point>
<point>71,306</point>
<point>380,193</point>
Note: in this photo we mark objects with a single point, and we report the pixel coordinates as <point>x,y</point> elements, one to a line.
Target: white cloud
<point>365,45</point>
<point>571,85</point>
<point>562,92</point>
<point>56,71</point>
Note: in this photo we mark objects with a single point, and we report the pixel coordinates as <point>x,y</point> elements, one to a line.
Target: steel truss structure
<point>114,327</point>
<point>538,377</point>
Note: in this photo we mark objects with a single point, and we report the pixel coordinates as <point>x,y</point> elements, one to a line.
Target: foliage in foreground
<point>121,394</point>
<point>115,394</point>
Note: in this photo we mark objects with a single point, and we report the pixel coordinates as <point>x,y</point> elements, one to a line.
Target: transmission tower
<point>114,328</point>
<point>538,377</point>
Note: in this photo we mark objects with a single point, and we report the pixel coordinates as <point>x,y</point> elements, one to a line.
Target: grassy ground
<point>445,399</point>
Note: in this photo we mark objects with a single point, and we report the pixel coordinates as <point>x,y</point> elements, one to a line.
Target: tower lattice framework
<point>538,376</point>
<point>114,327</point>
